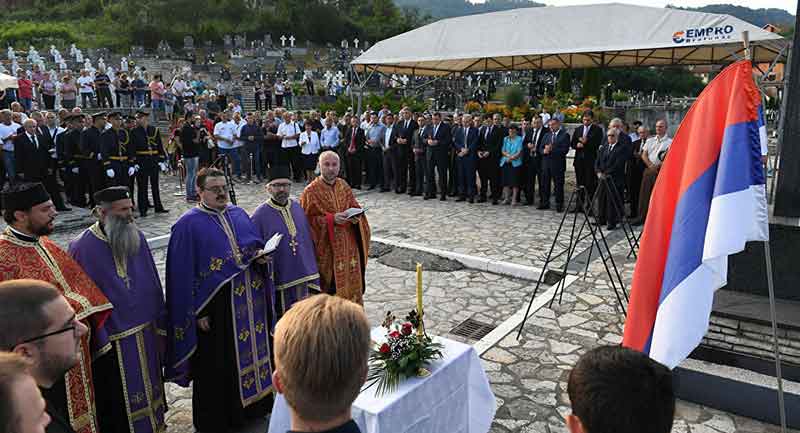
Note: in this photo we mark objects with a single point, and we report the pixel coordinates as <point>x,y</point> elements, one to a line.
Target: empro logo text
<point>702,34</point>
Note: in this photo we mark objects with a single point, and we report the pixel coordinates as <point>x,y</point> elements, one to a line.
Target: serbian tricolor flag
<point>709,200</point>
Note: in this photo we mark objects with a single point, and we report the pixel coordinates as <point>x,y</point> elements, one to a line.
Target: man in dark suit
<point>533,160</point>
<point>491,142</point>
<point>34,160</point>
<point>405,157</point>
<point>526,132</point>
<point>419,147</point>
<point>438,142</point>
<point>635,170</point>
<point>354,140</point>
<point>610,168</point>
<point>389,148</point>
<point>553,148</point>
<point>465,145</point>
<point>586,140</point>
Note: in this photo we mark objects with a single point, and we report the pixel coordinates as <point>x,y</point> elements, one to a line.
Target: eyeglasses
<point>72,327</point>
<point>217,189</point>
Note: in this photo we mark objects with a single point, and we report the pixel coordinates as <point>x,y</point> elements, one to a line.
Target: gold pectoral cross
<point>353,263</point>
<point>293,243</point>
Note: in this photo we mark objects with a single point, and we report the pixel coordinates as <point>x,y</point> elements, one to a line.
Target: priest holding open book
<point>340,231</point>
<point>294,262</point>
<point>220,302</point>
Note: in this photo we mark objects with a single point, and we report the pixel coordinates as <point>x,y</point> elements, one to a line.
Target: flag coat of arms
<point>708,201</point>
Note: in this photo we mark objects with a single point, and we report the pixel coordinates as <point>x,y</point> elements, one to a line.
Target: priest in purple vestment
<point>295,270</point>
<point>220,309</point>
<point>127,373</point>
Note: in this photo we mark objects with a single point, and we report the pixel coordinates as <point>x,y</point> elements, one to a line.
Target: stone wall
<point>752,339</point>
<point>649,116</point>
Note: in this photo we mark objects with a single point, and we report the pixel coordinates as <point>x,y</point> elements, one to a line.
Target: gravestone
<point>268,40</point>
<point>188,43</point>
<point>227,42</point>
<point>240,41</point>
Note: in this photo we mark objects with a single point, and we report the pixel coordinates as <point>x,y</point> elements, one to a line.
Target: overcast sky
<point>789,5</point>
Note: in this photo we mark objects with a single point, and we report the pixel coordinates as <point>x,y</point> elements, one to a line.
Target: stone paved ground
<point>528,376</point>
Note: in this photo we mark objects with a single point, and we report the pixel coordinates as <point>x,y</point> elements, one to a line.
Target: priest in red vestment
<point>341,243</point>
<point>26,252</point>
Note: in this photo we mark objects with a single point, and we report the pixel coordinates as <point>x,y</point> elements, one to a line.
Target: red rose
<point>407,328</point>
<point>385,348</point>
<point>394,334</point>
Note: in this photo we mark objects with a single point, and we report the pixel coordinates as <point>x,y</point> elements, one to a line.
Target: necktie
<point>35,141</point>
<point>466,136</point>
<point>435,128</point>
<point>352,148</point>
<point>585,131</point>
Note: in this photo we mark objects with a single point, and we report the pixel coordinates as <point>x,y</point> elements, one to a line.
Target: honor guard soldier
<point>125,141</point>
<point>92,162</point>
<point>116,160</point>
<point>149,157</point>
<point>70,143</point>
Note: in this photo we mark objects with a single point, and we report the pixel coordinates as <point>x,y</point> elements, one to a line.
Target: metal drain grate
<point>552,277</point>
<point>472,329</point>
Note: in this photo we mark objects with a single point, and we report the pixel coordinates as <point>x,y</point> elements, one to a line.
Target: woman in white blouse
<point>309,141</point>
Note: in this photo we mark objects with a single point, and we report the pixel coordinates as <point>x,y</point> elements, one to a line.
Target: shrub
<point>514,96</point>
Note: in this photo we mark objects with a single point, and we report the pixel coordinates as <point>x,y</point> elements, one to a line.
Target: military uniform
<point>116,156</point>
<point>71,163</point>
<point>148,154</point>
<point>91,163</point>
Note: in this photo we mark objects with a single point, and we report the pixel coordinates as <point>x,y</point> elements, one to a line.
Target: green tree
<point>590,85</point>
<point>564,81</point>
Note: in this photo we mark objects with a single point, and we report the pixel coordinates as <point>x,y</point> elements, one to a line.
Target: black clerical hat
<point>114,114</point>
<point>112,194</point>
<point>140,113</point>
<point>279,172</point>
<point>23,196</point>
<point>95,116</point>
<point>73,117</point>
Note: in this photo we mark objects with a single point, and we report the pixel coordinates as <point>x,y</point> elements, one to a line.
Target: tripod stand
<point>598,241</point>
<point>223,162</point>
<point>612,193</point>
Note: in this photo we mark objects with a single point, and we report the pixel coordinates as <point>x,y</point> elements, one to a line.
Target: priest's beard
<point>123,236</point>
<point>280,197</point>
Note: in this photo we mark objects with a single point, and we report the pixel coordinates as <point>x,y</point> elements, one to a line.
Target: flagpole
<point>771,289</point>
<point>774,319</point>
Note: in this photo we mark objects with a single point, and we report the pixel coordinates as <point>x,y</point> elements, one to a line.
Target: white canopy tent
<point>7,81</point>
<point>603,35</point>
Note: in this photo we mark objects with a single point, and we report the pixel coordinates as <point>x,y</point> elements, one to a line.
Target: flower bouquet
<point>406,353</point>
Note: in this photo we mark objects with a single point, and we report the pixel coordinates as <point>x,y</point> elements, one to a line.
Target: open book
<point>270,246</point>
<point>354,212</point>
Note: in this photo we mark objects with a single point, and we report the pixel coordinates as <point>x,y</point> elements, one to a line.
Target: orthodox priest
<point>341,243</point>
<point>115,254</point>
<point>294,263</point>
<point>220,310</point>
<point>26,252</point>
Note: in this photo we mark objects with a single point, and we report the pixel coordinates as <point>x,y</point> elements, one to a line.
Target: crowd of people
<point>182,93</point>
<point>470,157</point>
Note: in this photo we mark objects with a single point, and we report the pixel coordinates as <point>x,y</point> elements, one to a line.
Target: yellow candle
<point>419,298</point>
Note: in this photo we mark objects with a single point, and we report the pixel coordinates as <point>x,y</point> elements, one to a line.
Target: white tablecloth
<point>455,398</point>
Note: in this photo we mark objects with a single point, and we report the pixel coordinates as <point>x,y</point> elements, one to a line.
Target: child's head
<point>618,390</point>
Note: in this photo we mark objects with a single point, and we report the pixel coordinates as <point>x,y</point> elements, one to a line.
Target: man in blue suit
<point>439,142</point>
<point>553,148</point>
<point>465,143</point>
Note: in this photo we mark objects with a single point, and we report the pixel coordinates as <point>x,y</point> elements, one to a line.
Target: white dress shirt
<point>288,129</point>
<point>654,146</point>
